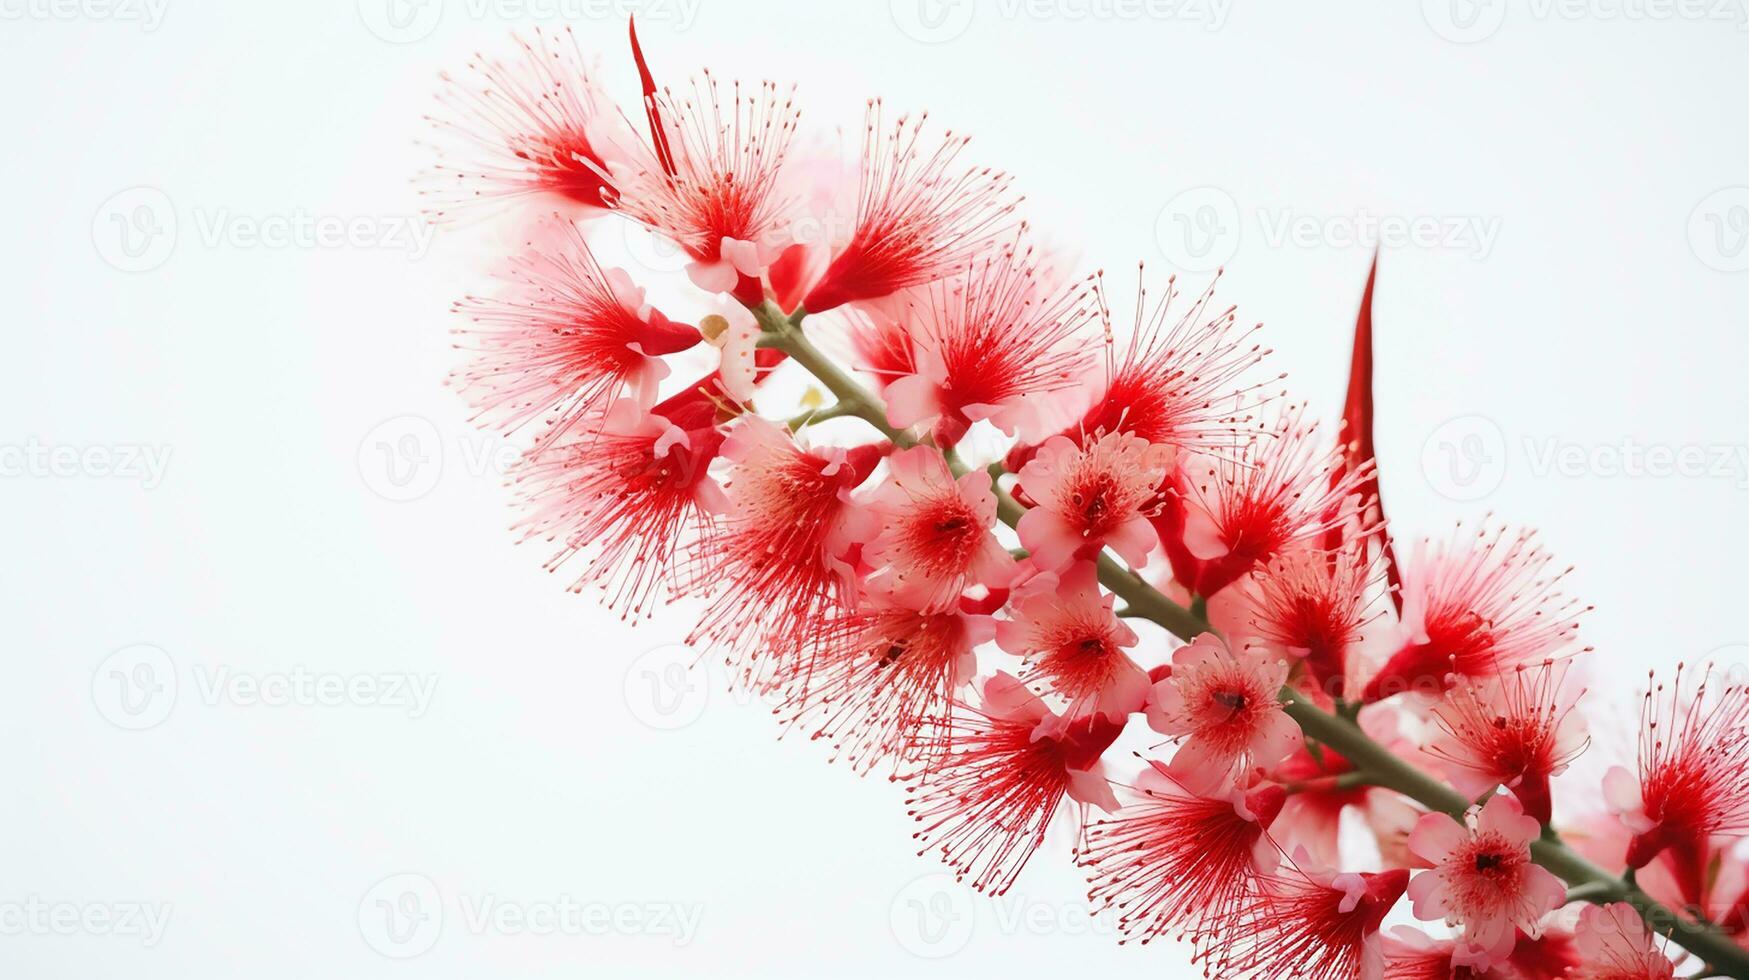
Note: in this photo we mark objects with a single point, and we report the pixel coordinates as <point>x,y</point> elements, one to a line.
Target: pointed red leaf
<point>1357,420</point>
<point>658,136</point>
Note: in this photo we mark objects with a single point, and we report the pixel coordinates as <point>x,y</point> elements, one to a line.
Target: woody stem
<point>1374,763</point>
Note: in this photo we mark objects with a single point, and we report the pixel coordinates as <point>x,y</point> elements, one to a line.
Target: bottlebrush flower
<point>776,564</point>
<point>1226,515</point>
<point>1176,382</point>
<point>1005,768</point>
<point>1308,604</point>
<point>995,344</point>
<point>891,673</point>
<point>917,220</point>
<point>1307,923</point>
<point>1074,642</point>
<point>934,539</point>
<point>1516,730</point>
<point>1482,879</point>
<point>533,126</point>
<point>1614,944</point>
<point>711,178</point>
<point>568,338</point>
<point>1483,604</point>
<point>629,491</point>
<point>1694,752</point>
<point>1171,861</point>
<point>1224,706</point>
<point>1092,497</point>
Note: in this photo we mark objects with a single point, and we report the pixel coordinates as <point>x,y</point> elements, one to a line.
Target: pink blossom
<point>1091,497</point>
<point>1615,944</point>
<point>1482,878</point>
<point>1223,705</point>
<point>934,539</point>
<point>1074,642</point>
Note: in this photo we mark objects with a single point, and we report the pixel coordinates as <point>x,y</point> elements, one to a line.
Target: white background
<point>1595,317</point>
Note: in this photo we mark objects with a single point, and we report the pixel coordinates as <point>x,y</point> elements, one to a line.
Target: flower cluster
<point>1036,560</point>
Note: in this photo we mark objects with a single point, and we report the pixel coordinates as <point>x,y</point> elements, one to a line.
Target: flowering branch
<point>1377,765</point>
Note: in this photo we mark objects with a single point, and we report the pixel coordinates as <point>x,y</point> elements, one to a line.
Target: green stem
<point>1374,763</point>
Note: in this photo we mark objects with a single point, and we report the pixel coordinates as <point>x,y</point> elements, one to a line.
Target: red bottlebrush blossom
<point>1073,641</point>
<point>917,220</point>
<point>1482,879</point>
<point>934,539</point>
<point>996,345</point>
<point>1694,751</point>
<point>1516,731</point>
<point>1224,516</point>
<point>884,348</point>
<point>1307,604</point>
<point>533,126</point>
<point>1005,768</point>
<point>1091,497</point>
<point>568,339</point>
<point>1176,382</point>
<point>630,492</point>
<point>1224,705</point>
<point>710,179</point>
<point>1614,944</point>
<point>1485,604</point>
<point>776,564</point>
<point>1307,924</point>
<point>891,673</point>
<point>1171,861</point>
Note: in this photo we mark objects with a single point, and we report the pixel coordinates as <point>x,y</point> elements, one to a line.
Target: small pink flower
<point>1073,640</point>
<point>934,539</point>
<point>1615,944</point>
<point>1092,497</point>
<point>1224,706</point>
<point>1482,879</point>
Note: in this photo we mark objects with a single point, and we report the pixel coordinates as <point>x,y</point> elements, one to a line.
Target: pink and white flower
<point>1482,879</point>
<point>934,539</point>
<point>1092,497</point>
<point>1224,707</point>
